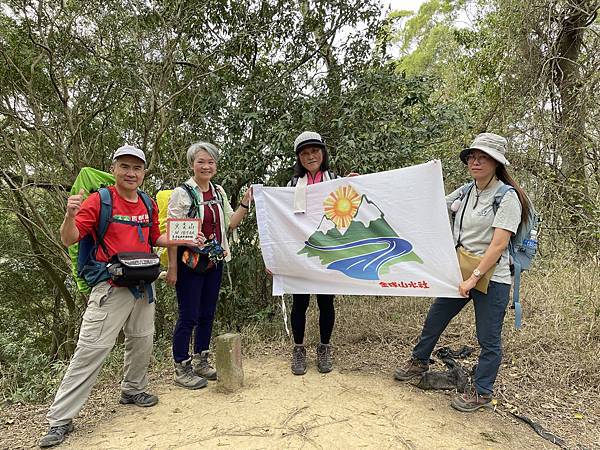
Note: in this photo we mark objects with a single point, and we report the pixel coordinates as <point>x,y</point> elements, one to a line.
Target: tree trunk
<point>568,79</point>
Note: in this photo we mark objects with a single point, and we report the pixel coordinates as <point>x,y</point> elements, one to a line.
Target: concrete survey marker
<point>228,359</point>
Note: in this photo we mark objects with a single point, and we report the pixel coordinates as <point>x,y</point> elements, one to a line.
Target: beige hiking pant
<point>109,310</point>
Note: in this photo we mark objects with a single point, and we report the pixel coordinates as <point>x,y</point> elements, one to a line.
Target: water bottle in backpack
<point>532,242</point>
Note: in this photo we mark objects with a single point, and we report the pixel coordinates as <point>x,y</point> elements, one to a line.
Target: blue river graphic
<point>367,266</point>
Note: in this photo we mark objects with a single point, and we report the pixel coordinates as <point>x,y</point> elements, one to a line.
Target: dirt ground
<point>276,409</point>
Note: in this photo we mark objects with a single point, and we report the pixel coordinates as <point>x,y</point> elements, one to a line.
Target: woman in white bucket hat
<point>485,234</point>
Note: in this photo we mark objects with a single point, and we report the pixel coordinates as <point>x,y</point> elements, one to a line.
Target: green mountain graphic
<point>355,232</point>
<point>330,239</point>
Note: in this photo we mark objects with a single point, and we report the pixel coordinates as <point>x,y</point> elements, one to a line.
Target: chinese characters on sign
<point>404,284</point>
<point>183,231</point>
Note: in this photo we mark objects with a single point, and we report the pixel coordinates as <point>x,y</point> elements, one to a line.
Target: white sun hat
<point>490,143</point>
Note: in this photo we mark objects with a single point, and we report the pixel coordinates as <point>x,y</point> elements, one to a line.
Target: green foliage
<point>245,289</point>
<point>81,78</point>
<point>524,70</point>
<point>26,372</point>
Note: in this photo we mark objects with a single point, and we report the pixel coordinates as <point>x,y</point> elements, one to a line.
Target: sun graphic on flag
<point>341,206</point>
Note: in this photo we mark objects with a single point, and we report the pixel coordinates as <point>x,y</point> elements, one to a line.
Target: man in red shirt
<point>110,308</point>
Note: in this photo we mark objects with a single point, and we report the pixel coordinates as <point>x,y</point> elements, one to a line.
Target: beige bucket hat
<point>490,143</point>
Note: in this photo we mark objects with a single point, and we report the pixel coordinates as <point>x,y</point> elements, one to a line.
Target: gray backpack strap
<point>219,196</point>
<point>499,195</point>
<point>195,200</point>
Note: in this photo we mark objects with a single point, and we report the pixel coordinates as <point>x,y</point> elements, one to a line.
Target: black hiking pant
<point>326,316</point>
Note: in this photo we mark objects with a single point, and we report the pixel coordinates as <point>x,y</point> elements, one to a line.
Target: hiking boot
<point>185,376</point>
<point>411,369</point>
<point>324,358</point>
<point>142,399</point>
<point>299,360</point>
<point>201,366</point>
<point>471,401</point>
<point>56,435</point>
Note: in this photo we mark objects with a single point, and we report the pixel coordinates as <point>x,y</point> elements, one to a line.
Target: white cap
<point>307,138</point>
<point>130,150</point>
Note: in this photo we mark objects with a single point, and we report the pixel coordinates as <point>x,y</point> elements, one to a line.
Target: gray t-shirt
<point>479,223</point>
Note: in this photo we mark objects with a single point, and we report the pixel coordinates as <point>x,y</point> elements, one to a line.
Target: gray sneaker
<point>324,358</point>
<point>412,368</point>
<point>185,376</point>
<point>299,360</point>
<point>142,399</point>
<point>202,367</point>
<point>56,435</point>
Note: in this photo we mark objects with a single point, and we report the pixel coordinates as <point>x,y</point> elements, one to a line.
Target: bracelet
<point>244,206</point>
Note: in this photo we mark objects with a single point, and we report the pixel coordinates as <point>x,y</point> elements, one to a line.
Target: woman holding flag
<point>311,167</point>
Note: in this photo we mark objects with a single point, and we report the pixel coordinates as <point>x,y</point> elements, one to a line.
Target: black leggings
<point>326,316</point>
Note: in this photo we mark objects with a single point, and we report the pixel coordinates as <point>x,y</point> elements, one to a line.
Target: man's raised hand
<point>74,203</point>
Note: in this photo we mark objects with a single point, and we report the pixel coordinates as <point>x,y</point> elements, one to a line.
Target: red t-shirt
<point>211,223</point>
<point>119,237</point>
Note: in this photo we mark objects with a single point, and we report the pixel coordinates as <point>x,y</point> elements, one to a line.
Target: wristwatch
<point>477,273</point>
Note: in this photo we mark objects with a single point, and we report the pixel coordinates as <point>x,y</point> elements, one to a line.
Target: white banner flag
<point>385,233</point>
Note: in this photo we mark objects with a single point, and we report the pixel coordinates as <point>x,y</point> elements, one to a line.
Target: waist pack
<point>204,259</point>
<point>196,262</point>
<point>129,269</point>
